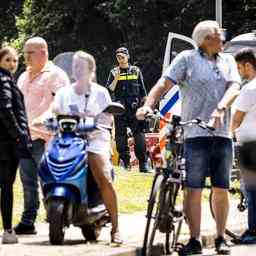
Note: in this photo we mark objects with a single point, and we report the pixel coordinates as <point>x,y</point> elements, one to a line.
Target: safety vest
<point>128,84</point>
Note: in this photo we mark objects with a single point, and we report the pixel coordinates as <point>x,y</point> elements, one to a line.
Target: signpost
<point>218,11</point>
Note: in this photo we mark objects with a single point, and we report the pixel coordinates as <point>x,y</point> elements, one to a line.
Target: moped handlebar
<point>72,124</point>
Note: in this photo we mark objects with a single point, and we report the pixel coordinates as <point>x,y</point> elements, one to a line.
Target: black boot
<point>143,166</point>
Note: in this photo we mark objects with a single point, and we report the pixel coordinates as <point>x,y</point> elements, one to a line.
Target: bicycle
<point>167,184</point>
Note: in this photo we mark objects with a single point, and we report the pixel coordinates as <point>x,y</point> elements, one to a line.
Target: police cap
<point>122,50</point>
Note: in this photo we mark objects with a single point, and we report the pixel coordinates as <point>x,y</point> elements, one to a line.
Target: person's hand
<point>217,118</point>
<point>38,121</point>
<point>143,111</point>
<point>116,73</point>
<point>24,146</point>
<point>105,119</point>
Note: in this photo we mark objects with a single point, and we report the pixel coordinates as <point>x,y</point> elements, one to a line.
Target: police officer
<point>125,83</point>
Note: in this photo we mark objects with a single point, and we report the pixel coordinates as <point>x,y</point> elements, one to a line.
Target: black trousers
<point>122,122</point>
<point>8,170</point>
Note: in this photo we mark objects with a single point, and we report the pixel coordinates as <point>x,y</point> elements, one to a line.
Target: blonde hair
<point>89,58</point>
<point>204,29</point>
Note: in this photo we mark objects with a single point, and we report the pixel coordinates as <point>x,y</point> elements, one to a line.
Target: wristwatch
<point>221,108</point>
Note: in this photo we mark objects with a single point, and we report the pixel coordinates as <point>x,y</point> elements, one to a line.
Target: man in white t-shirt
<point>243,127</point>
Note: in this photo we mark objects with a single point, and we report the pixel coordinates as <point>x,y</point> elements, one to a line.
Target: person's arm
<point>159,89</point>
<point>229,96</point>
<point>233,83</point>
<point>237,120</point>
<point>244,102</point>
<point>57,81</point>
<point>173,75</point>
<point>217,116</point>
<point>7,116</point>
<point>113,79</point>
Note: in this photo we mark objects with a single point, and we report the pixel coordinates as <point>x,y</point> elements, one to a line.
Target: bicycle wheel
<point>152,215</point>
<point>173,219</point>
<point>240,216</point>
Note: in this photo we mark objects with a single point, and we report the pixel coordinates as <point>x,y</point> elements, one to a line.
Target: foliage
<point>99,27</point>
<point>9,9</point>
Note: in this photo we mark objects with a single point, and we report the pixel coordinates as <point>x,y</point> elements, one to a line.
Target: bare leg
<point>220,203</point>
<point>100,165</point>
<point>192,209</point>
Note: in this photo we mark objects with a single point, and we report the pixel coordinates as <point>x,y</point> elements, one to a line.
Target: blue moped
<point>71,195</point>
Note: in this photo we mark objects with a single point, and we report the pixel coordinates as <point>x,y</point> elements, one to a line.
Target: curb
<point>206,239</point>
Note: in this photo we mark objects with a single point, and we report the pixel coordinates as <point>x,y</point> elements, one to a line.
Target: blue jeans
<point>248,187</point>
<point>29,179</point>
<point>208,156</point>
<point>251,197</point>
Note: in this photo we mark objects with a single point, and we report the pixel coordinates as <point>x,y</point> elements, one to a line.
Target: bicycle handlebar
<point>176,121</point>
<point>198,122</point>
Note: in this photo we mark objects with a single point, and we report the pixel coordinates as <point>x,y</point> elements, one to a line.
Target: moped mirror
<point>114,108</point>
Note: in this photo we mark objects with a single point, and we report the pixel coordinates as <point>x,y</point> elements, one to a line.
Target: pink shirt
<point>39,94</point>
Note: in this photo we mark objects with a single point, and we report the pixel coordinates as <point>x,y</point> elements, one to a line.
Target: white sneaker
<point>9,237</point>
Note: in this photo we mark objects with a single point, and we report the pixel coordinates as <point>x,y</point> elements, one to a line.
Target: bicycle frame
<point>167,184</point>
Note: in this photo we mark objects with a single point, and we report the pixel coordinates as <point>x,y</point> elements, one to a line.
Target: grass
<point>132,188</point>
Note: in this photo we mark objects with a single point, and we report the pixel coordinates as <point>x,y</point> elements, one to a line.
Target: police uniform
<point>129,91</point>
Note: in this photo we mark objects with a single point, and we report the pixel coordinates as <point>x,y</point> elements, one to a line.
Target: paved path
<point>131,226</point>
<point>249,250</point>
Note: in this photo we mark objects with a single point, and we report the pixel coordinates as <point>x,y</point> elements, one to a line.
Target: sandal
<point>116,238</point>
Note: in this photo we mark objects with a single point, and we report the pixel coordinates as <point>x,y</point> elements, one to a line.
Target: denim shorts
<point>208,157</point>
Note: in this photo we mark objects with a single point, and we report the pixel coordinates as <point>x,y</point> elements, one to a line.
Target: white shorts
<point>100,143</point>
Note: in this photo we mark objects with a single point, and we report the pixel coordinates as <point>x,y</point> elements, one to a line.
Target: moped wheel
<point>152,216</point>
<point>91,232</point>
<point>56,221</point>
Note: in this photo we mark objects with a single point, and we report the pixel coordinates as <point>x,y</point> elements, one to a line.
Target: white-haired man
<point>39,84</point>
<point>209,82</point>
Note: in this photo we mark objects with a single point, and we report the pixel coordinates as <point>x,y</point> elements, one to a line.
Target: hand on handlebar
<point>143,112</point>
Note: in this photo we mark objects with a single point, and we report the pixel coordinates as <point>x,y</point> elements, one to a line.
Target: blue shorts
<point>208,156</point>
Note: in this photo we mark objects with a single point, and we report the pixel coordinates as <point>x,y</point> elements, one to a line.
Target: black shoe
<point>127,167</point>
<point>143,166</point>
<point>23,229</point>
<point>221,246</point>
<point>193,247</point>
